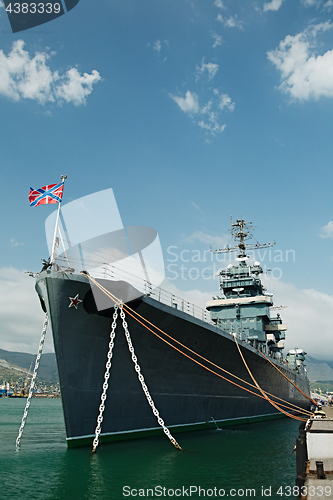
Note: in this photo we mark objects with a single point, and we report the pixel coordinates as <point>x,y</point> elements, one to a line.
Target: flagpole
<point>63,177</point>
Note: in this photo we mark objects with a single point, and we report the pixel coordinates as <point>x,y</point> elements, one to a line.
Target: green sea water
<point>249,461</point>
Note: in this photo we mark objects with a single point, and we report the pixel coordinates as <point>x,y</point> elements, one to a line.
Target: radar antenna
<point>240,230</point>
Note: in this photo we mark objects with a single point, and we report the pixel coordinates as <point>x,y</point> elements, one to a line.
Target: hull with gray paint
<point>186,394</point>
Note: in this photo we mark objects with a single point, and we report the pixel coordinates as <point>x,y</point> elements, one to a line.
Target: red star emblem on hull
<point>74,301</point>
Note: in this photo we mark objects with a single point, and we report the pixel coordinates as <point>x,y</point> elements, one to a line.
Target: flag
<point>52,193</point>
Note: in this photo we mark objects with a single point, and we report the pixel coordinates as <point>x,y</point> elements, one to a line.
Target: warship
<point>197,366</point>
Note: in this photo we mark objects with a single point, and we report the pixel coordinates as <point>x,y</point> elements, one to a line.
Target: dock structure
<point>314,456</point>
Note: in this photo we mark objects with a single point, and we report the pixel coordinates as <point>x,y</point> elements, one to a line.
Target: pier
<point>314,456</point>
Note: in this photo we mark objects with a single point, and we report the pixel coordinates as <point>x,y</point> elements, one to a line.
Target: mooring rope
<point>260,389</point>
<point>132,313</point>
<point>33,379</point>
<point>285,376</point>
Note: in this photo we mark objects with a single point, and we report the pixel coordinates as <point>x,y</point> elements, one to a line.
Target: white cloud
<point>328,5</point>
<point>23,77</point>
<point>210,68</point>
<point>15,243</point>
<point>206,109</point>
<point>213,126</point>
<point>208,239</point>
<point>308,317</point>
<point>273,5</point>
<point>304,75</point>
<point>231,22</point>
<point>327,231</point>
<point>206,116</point>
<point>21,315</point>
<point>189,104</point>
<point>197,207</point>
<point>311,3</point>
<point>226,102</point>
<point>219,4</point>
<point>75,87</point>
<point>157,46</point>
<point>217,39</point>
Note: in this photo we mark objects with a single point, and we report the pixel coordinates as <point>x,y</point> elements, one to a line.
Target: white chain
<point>143,384</point>
<point>106,378</point>
<point>33,379</point>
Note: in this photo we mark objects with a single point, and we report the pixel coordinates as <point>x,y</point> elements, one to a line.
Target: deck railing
<point>111,272</point>
<point>107,271</point>
<point>177,302</point>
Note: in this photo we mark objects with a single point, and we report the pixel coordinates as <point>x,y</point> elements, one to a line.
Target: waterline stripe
<point>78,441</point>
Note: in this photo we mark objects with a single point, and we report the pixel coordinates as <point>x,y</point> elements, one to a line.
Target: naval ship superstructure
<point>245,306</point>
<point>184,356</point>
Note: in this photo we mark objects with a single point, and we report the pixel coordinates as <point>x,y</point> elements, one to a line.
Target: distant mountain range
<point>20,361</point>
<point>15,362</point>
<point>319,370</point>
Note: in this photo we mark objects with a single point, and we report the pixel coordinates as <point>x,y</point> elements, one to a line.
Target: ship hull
<point>186,394</point>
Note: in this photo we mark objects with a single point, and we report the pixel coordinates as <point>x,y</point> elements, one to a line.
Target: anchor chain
<point>143,384</point>
<point>33,379</point>
<point>106,378</point>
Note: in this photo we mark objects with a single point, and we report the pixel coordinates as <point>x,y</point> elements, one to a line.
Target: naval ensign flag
<point>52,193</point>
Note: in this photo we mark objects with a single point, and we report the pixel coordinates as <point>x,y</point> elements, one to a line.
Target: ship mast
<point>240,230</point>
<point>52,257</point>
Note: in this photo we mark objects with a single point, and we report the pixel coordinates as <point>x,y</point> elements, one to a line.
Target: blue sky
<point>192,111</point>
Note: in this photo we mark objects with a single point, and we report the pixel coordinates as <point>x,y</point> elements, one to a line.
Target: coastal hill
<point>14,365</point>
<point>319,370</point>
